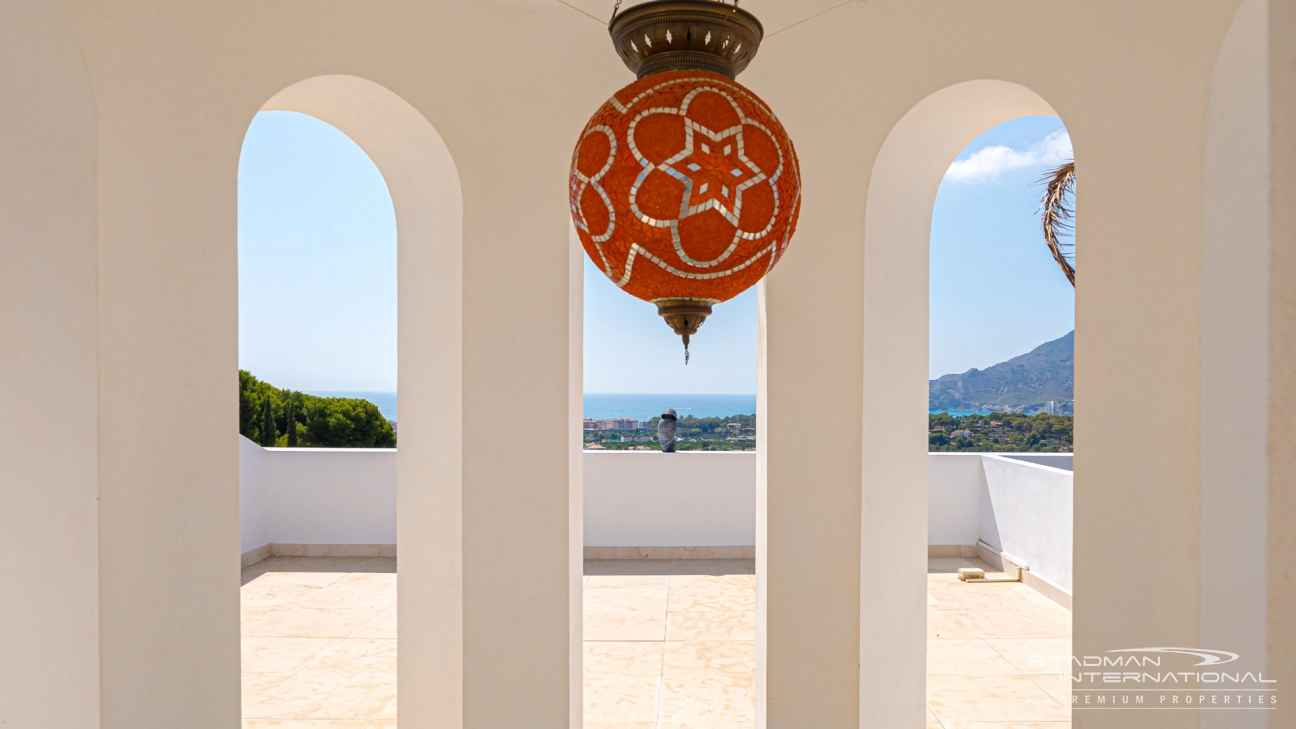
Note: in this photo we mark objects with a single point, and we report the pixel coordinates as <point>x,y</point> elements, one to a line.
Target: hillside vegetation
<point>1028,381</point>
<point>266,414</point>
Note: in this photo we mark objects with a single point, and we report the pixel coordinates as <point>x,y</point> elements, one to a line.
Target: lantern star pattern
<point>685,186</point>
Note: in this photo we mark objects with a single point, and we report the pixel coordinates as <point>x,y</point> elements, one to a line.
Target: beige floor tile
<point>352,597</point>
<point>621,698</point>
<point>709,698</point>
<point>744,581</point>
<point>382,725</point>
<point>621,725</point>
<point>991,698</point>
<point>303,724</point>
<point>624,658</point>
<point>930,716</point>
<point>712,599</point>
<point>964,596</point>
<point>707,725</point>
<point>260,594</point>
<point>625,600</point>
<point>305,577</point>
<point>1058,686</point>
<point>713,567</point>
<point>945,625</point>
<point>313,623</point>
<point>965,657</point>
<point>947,564</point>
<point>250,618</point>
<point>322,695</point>
<point>709,658</point>
<point>369,578</point>
<point>1031,622</point>
<point>1006,725</point>
<point>932,603</point>
<point>1039,600</point>
<point>259,684</point>
<point>383,625</point>
<point>267,655</point>
<point>628,567</point>
<point>345,564</point>
<point>711,626</point>
<point>1035,655</point>
<point>627,581</point>
<point>389,713</point>
<point>358,654</point>
<point>625,626</point>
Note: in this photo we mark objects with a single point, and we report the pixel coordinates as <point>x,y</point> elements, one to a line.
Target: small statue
<point>666,431</point>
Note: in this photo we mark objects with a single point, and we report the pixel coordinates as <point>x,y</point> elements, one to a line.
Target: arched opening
<point>902,193</point>
<point>1001,403</point>
<point>317,315</point>
<point>424,478</point>
<point>670,589</point>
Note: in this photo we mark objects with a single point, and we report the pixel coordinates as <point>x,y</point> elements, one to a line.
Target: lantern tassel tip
<point>686,352</point>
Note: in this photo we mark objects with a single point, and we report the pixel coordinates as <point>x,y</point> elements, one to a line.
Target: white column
<point>1281,557</point>
<point>49,622</point>
<point>1235,365</point>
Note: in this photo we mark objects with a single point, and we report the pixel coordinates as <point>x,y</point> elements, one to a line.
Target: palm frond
<point>1058,216</point>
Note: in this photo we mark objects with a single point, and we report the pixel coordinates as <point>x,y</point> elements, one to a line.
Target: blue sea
<point>629,405</point>
<point>646,406</point>
<point>386,401</point>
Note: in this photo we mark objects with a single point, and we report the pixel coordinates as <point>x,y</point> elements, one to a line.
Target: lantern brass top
<point>680,35</point>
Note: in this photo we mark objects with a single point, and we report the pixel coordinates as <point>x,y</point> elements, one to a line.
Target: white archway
<point>425,189</point>
<point>897,234</point>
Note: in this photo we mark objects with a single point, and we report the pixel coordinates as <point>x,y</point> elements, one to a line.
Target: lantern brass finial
<point>676,35</point>
<point>684,316</point>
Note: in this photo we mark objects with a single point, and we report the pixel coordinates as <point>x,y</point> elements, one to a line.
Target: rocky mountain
<point>1024,382</point>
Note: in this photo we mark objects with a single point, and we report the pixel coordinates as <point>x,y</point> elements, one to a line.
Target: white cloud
<point>988,163</point>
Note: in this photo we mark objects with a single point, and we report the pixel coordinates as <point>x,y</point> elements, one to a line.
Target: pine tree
<point>268,424</point>
<point>292,424</point>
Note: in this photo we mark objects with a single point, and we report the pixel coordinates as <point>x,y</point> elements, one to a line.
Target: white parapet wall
<point>1018,504</point>
<point>654,499</point>
<point>316,496</point>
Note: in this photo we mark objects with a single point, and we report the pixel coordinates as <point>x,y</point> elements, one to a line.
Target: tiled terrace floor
<point>668,645</point>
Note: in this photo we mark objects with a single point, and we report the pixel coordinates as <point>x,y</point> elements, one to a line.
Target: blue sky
<point>317,272</point>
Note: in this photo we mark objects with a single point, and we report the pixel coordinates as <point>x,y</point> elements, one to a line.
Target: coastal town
<point>731,433</point>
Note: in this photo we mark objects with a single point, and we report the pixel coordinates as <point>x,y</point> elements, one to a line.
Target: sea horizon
<point>638,405</point>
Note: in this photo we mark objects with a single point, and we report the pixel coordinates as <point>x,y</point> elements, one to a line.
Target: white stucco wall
<point>333,495</point>
<point>649,499</point>
<point>955,482</point>
<point>254,496</point>
<point>1020,504</point>
<point>1027,513</point>
<point>348,496</point>
<point>316,495</point>
<point>652,499</point>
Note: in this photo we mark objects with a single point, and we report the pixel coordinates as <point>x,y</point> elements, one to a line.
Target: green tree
<point>309,421</point>
<point>267,423</point>
<point>291,416</point>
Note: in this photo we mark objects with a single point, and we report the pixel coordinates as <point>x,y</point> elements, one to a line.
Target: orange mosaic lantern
<point>685,187</point>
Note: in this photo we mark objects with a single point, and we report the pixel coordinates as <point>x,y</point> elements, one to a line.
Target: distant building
<point>645,425</point>
<point>961,434</point>
<point>595,447</point>
<point>618,424</point>
<point>589,424</point>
